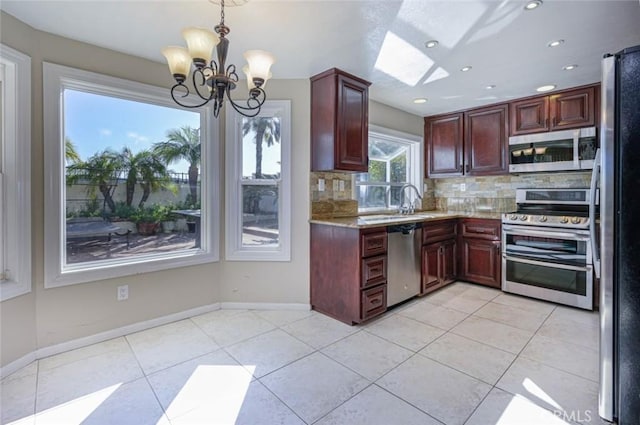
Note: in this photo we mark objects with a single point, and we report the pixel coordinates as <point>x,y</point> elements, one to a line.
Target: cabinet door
<point>485,141</point>
<point>449,262</point>
<point>353,125</point>
<point>529,116</point>
<point>430,267</point>
<point>572,109</point>
<point>444,141</point>
<point>481,261</point>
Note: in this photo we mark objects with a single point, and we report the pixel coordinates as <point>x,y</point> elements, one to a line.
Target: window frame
<point>234,250</point>
<point>415,158</point>
<point>15,176</point>
<point>56,79</point>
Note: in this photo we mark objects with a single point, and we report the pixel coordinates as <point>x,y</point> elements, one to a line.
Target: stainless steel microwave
<point>553,151</point>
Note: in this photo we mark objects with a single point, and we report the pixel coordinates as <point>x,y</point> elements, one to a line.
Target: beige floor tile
<point>464,303</point>
<point>163,346</point>
<point>283,317</point>
<point>406,332</point>
<point>18,395</point>
<point>367,354</point>
<point>585,317</point>
<point>525,303</point>
<point>575,332</point>
<point>503,408</point>
<point>581,361</point>
<point>319,330</point>
<point>314,386</point>
<point>113,347</point>
<point>440,317</point>
<point>444,393</point>
<point>375,406</point>
<point>261,407</point>
<point>479,291</point>
<point>562,393</point>
<point>473,358</point>
<point>512,316</point>
<point>234,328</point>
<point>492,333</point>
<point>270,351</point>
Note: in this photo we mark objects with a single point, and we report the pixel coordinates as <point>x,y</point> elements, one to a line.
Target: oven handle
<point>595,175</point>
<point>543,233</point>
<point>545,264</point>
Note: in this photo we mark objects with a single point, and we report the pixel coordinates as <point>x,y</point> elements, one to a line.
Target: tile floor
<point>463,355</point>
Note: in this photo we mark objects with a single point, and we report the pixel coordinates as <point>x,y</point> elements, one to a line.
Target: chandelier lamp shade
<point>214,80</point>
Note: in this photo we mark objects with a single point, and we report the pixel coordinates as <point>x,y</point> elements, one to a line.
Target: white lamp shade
<point>178,59</point>
<point>200,42</point>
<point>250,83</point>
<point>259,63</point>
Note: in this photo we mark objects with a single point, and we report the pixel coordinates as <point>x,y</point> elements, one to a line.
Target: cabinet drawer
<point>481,229</point>
<point>374,243</point>
<point>374,301</point>
<point>439,231</point>
<point>374,270</point>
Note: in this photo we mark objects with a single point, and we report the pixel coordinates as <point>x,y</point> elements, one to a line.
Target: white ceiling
<point>379,40</point>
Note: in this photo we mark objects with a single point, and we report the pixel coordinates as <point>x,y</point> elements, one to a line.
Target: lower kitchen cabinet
<point>439,255</point>
<point>348,272</point>
<point>480,251</point>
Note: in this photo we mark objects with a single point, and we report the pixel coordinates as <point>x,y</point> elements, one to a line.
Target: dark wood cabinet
<point>348,272</point>
<point>480,251</point>
<point>470,143</point>
<point>339,122</point>
<point>439,255</point>
<point>485,141</point>
<point>559,111</point>
<point>444,145</point>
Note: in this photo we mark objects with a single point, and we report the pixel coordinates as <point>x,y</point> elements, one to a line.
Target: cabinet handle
<point>553,122</point>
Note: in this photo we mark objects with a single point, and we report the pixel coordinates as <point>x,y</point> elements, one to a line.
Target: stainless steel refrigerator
<point>619,242</point>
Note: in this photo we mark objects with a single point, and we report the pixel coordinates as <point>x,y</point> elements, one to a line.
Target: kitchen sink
<point>392,218</point>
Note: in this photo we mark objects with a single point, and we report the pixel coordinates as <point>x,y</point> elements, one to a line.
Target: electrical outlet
<point>463,187</point>
<point>320,185</point>
<point>123,292</point>
<point>341,185</point>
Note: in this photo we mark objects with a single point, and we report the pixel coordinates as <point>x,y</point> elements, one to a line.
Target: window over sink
<point>394,159</point>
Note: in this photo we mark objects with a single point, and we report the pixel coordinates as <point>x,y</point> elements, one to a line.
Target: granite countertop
<point>378,220</point>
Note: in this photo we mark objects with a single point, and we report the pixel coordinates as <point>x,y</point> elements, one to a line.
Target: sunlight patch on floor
<point>521,411</point>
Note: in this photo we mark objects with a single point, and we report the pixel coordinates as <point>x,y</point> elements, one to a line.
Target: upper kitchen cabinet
<point>444,144</point>
<point>471,143</point>
<point>339,122</point>
<point>485,141</point>
<point>559,111</point>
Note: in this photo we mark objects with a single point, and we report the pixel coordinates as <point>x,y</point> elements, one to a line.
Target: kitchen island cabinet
<point>349,272</point>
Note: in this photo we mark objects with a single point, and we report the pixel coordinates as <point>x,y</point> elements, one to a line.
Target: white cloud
<point>137,138</point>
<point>105,132</point>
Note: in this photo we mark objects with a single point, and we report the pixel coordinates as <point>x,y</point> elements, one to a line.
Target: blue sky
<point>95,122</point>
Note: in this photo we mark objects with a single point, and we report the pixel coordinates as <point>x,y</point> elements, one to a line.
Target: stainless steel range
<point>546,246</point>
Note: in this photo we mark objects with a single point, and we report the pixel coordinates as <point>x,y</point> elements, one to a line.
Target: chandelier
<point>212,80</point>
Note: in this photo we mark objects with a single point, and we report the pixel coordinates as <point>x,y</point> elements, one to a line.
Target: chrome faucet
<point>410,208</point>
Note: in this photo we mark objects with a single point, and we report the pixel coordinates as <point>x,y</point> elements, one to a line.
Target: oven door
<point>548,264</point>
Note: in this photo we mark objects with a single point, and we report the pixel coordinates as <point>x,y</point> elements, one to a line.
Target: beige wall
<point>47,317</point>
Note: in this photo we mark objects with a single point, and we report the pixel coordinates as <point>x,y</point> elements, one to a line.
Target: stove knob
<point>564,220</point>
<point>523,218</point>
<point>513,216</point>
<point>575,220</point>
<point>543,218</point>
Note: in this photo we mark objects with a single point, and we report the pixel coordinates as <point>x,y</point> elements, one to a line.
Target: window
<point>258,197</point>
<point>394,159</point>
<point>15,173</point>
<point>132,179</point>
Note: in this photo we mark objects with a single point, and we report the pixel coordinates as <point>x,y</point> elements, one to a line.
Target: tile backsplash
<point>490,193</point>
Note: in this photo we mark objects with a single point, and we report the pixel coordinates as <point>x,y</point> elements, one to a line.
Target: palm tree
<point>267,131</point>
<point>71,155</point>
<point>183,143</point>
<point>102,171</point>
<point>146,169</point>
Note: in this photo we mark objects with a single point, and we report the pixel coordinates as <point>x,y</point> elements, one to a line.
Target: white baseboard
<point>137,327</point>
<point>265,306</point>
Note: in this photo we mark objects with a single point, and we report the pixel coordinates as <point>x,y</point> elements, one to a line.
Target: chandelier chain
<point>221,12</point>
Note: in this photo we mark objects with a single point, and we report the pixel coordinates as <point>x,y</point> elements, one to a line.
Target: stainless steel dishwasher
<point>405,264</point>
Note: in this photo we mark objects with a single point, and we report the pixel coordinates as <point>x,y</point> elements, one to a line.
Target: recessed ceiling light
<point>533,5</point>
<point>569,67</point>
<point>546,88</point>
<point>431,44</point>
<point>555,43</point>
<point>465,68</point>
<point>420,100</point>
<point>490,87</point>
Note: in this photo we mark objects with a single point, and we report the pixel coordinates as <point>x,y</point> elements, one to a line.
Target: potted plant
<point>163,212</point>
<point>147,220</point>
